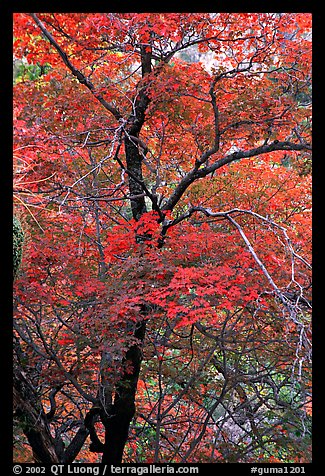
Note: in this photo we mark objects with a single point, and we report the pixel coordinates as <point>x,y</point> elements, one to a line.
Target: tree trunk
<point>122,411</point>
<point>134,167</point>
<point>118,417</point>
<point>33,421</point>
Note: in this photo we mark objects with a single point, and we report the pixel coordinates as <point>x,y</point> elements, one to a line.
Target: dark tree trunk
<point>133,156</point>
<point>118,417</point>
<point>122,411</point>
<point>134,167</point>
<point>33,420</point>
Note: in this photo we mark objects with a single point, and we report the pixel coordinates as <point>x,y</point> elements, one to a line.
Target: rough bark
<point>18,240</point>
<point>134,167</point>
<point>132,153</point>
<point>117,422</point>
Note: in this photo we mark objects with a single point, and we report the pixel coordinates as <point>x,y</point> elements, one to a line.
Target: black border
<point>6,177</point>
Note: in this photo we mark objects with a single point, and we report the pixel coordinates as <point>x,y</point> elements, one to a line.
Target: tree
<point>162,312</point>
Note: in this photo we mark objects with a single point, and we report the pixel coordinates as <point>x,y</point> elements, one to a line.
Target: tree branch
<point>77,73</point>
<point>51,413</point>
<point>197,173</point>
<point>96,445</point>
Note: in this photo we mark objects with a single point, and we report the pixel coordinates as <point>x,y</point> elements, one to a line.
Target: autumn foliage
<point>162,177</point>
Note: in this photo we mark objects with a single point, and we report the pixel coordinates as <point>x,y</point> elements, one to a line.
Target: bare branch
<point>197,172</point>
<point>76,72</point>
